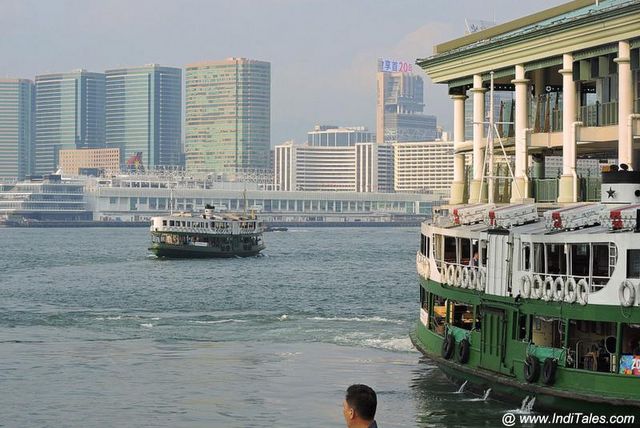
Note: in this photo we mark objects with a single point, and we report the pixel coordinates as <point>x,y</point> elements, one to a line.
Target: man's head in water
<point>359,406</point>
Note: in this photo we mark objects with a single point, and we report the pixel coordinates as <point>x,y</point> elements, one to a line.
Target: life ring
<point>531,369</point>
<point>473,279</point>
<point>465,277</point>
<point>451,275</point>
<point>448,346</point>
<point>583,292</point>
<point>536,287</point>
<point>458,276</point>
<point>558,289</point>
<point>627,299</point>
<point>547,290</point>
<point>569,284</point>
<point>482,281</point>
<point>549,371</point>
<point>463,351</point>
<point>571,293</point>
<point>525,286</point>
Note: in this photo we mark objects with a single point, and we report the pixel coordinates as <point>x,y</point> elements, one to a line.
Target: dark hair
<point>363,400</point>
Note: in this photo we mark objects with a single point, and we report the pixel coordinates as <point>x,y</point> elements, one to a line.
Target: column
<point>478,190</point>
<point>457,187</point>
<point>625,103</point>
<point>568,186</point>
<point>520,186</point>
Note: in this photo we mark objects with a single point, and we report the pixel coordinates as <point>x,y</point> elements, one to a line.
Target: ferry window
<point>556,259</point>
<point>164,222</point>
<point>423,245</point>
<point>438,315</point>
<point>600,261</point>
<point>171,223</point>
<point>633,263</point>
<point>580,259</point>
<point>461,315</point>
<point>465,251</point>
<point>525,263</point>
<point>547,332</point>
<point>522,327</point>
<point>450,249</point>
<point>437,246</point>
<point>483,252</point>
<point>591,345</point>
<point>631,339</point>
<point>538,258</point>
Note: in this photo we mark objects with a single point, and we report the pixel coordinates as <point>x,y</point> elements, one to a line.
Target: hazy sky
<point>322,52</point>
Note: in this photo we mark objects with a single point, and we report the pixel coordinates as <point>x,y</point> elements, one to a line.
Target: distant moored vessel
<point>211,234</point>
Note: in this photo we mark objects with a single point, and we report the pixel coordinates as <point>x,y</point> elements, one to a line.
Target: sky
<point>323,53</point>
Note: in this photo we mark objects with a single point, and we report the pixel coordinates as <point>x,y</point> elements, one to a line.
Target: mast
<point>490,177</point>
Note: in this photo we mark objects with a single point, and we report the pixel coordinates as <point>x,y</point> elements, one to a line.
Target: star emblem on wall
<point>610,193</point>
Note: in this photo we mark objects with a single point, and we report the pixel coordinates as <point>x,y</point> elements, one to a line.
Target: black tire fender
<point>549,369</point>
<point>531,369</point>
<point>448,346</point>
<point>464,350</point>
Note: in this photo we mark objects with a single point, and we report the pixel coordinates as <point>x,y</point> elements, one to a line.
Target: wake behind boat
<point>210,235</point>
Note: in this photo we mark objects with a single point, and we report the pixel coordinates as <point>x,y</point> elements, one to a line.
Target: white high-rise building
<point>423,167</point>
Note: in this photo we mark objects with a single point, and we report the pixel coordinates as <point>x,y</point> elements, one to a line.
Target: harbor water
<point>94,331</point>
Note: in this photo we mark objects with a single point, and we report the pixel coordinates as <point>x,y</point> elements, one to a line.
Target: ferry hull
<point>191,251</point>
<point>603,392</point>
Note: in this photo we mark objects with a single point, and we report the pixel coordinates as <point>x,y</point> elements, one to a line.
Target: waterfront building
<point>69,115</point>
<point>336,136</point>
<point>144,113</point>
<point>354,168</point>
<point>423,167</point>
<point>400,105</point>
<point>48,198</point>
<point>574,73</point>
<point>17,132</point>
<point>77,161</point>
<point>228,115</point>
<point>140,197</point>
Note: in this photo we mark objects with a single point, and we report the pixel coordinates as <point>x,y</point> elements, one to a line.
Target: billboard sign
<point>394,66</point>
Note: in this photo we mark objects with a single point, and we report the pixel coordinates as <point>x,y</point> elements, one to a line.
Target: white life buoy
<point>482,282</point>
<point>627,298</point>
<point>451,275</point>
<point>458,276</point>
<point>558,289</point>
<point>570,289</point>
<point>536,287</point>
<point>465,277</point>
<point>525,286</point>
<point>473,279</point>
<point>583,292</point>
<point>547,290</point>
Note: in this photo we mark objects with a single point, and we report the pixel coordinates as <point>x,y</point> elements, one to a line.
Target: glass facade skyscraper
<point>69,115</point>
<point>17,111</point>
<point>228,115</point>
<point>144,113</point>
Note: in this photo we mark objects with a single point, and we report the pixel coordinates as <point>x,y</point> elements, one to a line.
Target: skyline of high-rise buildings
<point>17,110</point>
<point>144,113</point>
<point>228,115</point>
<point>69,115</point>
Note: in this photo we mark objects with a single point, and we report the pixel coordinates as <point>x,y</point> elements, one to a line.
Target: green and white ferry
<point>530,305</point>
<point>210,235</point>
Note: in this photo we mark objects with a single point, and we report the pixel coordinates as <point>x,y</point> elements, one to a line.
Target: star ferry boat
<point>537,305</point>
<point>210,235</point>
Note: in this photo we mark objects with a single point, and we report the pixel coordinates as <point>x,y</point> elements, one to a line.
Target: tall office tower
<point>400,105</point>
<point>17,111</point>
<point>228,115</point>
<point>69,115</point>
<point>144,113</point>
